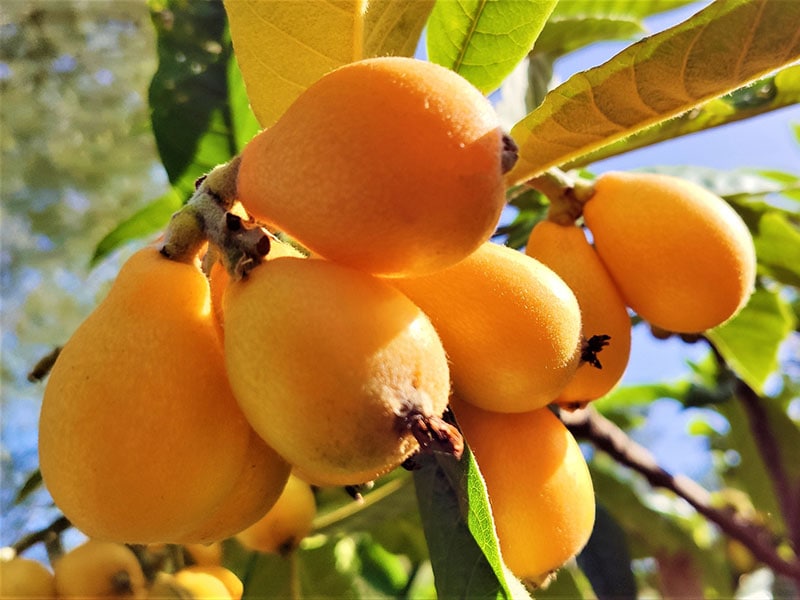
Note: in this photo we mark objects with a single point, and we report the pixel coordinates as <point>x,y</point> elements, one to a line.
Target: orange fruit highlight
<point>140,436</point>
<point>538,483</point>
<point>326,361</point>
<point>566,250</point>
<point>682,258</point>
<point>390,165</point>
<point>511,327</point>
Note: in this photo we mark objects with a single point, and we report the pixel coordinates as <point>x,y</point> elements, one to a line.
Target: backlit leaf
<point>763,96</point>
<point>720,49</point>
<point>483,40</point>
<point>283,47</point>
<point>750,341</point>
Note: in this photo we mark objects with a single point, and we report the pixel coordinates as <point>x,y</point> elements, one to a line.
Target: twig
<point>588,424</point>
<point>45,535</point>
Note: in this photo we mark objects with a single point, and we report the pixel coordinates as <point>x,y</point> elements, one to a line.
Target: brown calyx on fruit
<point>509,154</point>
<point>591,347</point>
<point>433,434</point>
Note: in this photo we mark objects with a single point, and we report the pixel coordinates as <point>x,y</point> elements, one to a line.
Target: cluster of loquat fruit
<point>225,362</point>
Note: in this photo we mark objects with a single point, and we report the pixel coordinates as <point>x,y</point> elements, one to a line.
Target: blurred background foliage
<point>78,154</point>
<point>102,137</point>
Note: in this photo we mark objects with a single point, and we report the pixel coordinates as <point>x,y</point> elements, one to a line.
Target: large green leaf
<point>283,47</point>
<point>763,96</point>
<point>189,102</point>
<point>723,47</point>
<point>146,221</point>
<point>750,341</point>
<point>459,528</point>
<point>483,40</point>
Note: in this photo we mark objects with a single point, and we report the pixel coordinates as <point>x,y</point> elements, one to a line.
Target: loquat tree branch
<point>45,535</point>
<point>589,425</point>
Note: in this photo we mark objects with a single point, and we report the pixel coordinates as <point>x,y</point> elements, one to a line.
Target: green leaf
<point>750,341</point>
<point>385,572</point>
<point>243,121</point>
<point>189,93</point>
<point>721,48</point>
<point>283,47</point>
<point>32,483</point>
<point>763,96</point>
<point>606,560</point>
<point>652,532</point>
<point>143,222</point>
<point>483,40</point>
<point>750,474</point>
<point>629,397</point>
<point>459,528</point>
<point>323,568</point>
<point>578,23</point>
<point>563,35</point>
<point>778,248</point>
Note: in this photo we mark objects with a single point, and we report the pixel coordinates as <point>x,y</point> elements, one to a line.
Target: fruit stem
<point>206,218</point>
<point>567,194</point>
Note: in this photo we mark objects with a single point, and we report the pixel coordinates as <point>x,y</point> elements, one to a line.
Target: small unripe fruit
<point>566,250</point>
<point>511,327</point>
<point>98,569</point>
<point>390,165</point>
<point>538,483</point>
<point>286,523</point>
<point>680,255</point>
<point>22,577</point>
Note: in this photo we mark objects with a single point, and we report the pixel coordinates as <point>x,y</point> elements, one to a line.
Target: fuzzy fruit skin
<point>286,523</point>
<point>566,250</point>
<point>23,577</point>
<point>98,569</point>
<point>390,165</point>
<point>511,327</point>
<point>140,436</point>
<point>538,483</point>
<point>322,359</point>
<point>680,255</point>
<point>255,491</point>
